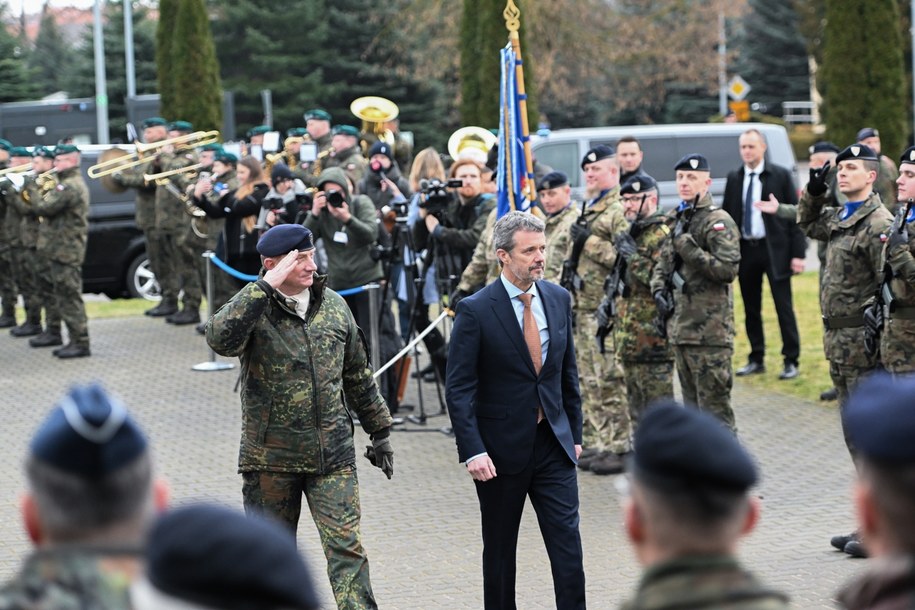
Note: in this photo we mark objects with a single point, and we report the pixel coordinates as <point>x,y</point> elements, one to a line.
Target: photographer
<point>288,201</point>
<point>382,168</point>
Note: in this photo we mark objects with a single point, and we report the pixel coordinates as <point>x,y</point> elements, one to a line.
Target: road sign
<point>738,88</point>
<point>741,109</point>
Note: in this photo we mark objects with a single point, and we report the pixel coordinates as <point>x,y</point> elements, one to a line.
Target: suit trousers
<point>552,484</point>
<point>754,264</point>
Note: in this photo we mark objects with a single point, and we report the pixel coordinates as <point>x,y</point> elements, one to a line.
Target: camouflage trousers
<point>40,267</point>
<point>27,281</point>
<point>162,254</point>
<point>706,379</point>
<point>189,250</point>
<point>333,500</point>
<point>603,391</point>
<point>647,382</point>
<point>68,293</point>
<point>8,292</point>
<point>845,378</point>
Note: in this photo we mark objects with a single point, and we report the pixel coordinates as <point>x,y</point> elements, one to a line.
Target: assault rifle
<point>884,300</point>
<point>570,280</point>
<point>674,280</point>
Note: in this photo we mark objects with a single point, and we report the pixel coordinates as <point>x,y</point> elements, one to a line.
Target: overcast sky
<point>34,6</point>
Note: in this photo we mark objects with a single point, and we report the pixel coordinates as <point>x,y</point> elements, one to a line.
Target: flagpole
<point>512,15</point>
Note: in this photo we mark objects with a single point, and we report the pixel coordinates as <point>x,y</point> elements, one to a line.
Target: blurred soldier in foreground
<point>90,498</point>
<point>691,286</point>
<point>200,557</point>
<point>880,418</point>
<point>688,508</point>
<point>648,364</point>
<point>304,369</point>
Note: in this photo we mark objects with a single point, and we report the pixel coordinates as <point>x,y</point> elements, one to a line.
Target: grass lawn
<point>814,368</point>
<point>97,309</point>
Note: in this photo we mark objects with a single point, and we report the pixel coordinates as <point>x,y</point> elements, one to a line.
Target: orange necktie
<point>531,332</point>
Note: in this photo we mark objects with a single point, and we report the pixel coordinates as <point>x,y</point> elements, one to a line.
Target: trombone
<point>164,176</point>
<point>116,162</point>
<point>16,169</point>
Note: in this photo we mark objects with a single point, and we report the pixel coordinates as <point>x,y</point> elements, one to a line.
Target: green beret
<point>20,151</point>
<point>154,121</point>
<point>226,157</point>
<point>5,144</point>
<point>43,151</point>
<point>259,130</point>
<point>345,130</point>
<point>317,114</point>
<point>65,149</point>
<point>180,126</point>
<point>214,146</point>
<point>296,132</point>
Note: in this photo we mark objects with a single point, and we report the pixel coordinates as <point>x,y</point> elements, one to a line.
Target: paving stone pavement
<point>421,529</point>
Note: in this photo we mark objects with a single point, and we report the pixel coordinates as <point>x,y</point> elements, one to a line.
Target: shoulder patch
<point>61,187</point>
<point>665,229</point>
<point>718,226</point>
<point>883,237</point>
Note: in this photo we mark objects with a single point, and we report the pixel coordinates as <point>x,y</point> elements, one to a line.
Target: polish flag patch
<point>718,226</point>
<point>883,238</point>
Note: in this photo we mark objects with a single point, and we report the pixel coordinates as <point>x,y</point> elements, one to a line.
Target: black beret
<point>823,147</point>
<point>381,148</point>
<point>682,448</point>
<point>283,239</point>
<point>908,156</point>
<point>154,121</point>
<point>553,180</point>
<point>637,184</point>
<point>857,151</point>
<point>867,132</point>
<point>280,172</point>
<point>880,418</point>
<point>694,162</point>
<point>89,434</point>
<point>601,151</point>
<point>218,558</point>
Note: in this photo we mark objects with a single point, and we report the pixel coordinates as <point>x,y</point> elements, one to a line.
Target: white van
<point>663,146</point>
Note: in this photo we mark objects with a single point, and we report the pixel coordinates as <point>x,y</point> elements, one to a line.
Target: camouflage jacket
<point>170,214</point>
<point>703,582</point>
<point>897,342</point>
<point>850,276</point>
<point>557,241</point>
<point>350,161</point>
<point>483,267</point>
<point>22,226</point>
<point>145,207</point>
<point>73,578</point>
<point>885,185</point>
<point>704,308</point>
<point>887,583</point>
<point>637,337</point>
<point>606,219</point>
<point>65,209</point>
<point>300,379</point>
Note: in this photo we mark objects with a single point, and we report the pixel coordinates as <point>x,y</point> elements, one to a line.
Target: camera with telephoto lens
<point>335,198</point>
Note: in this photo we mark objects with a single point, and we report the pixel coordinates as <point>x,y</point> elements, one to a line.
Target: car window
<point>722,151</point>
<point>561,156</point>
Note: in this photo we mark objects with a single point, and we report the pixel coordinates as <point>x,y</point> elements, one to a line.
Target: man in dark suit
<point>769,245</point>
<point>513,397</point>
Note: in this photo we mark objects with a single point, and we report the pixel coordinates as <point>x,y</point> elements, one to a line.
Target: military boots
<point>8,317</point>
<point>48,338</point>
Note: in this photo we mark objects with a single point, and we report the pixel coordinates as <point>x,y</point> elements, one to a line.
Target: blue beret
<point>601,151</point>
<point>908,156</point>
<point>296,132</point>
<point>880,418</point>
<point>867,132</point>
<point>694,162</point>
<point>225,157</point>
<point>65,149</point>
<point>154,121</point>
<point>5,144</point>
<point>381,148</point>
<point>43,151</point>
<point>553,180</point>
<point>282,239</point>
<point>89,434</point>
<point>317,114</point>
<point>857,151</point>
<point>346,130</point>
<point>682,448</point>
<point>638,184</point>
<point>180,126</point>
<point>258,130</point>
<point>218,558</point>
<point>822,147</point>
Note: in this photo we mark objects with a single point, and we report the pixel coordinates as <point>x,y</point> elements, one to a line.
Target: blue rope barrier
<point>253,278</point>
<point>349,291</point>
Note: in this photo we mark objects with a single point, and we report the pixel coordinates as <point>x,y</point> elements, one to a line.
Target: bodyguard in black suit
<point>769,245</point>
<point>515,407</point>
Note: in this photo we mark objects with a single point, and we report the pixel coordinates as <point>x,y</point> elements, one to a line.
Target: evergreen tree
<point>862,73</point>
<point>483,34</point>
<point>14,73</point>
<point>773,54</point>
<point>165,40</point>
<point>52,58</point>
<point>197,90</point>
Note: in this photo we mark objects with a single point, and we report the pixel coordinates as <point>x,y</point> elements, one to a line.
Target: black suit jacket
<point>784,238</point>
<point>492,389</point>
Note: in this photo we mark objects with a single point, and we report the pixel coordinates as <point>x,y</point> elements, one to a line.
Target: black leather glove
<point>625,246</point>
<point>456,298</point>
<point>898,239</point>
<point>817,184</point>
<point>663,303</point>
<point>579,232</point>
<point>603,315</point>
<point>873,324</point>
<point>381,455</point>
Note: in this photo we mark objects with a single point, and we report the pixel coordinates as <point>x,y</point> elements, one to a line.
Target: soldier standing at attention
<point>885,184</point>
<point>65,209</point>
<point>854,234</point>
<point>317,123</point>
<point>304,368</point>
<point>347,154</point>
<point>704,251</point>
<point>648,363</point>
<point>555,196</point>
<point>8,274</point>
<point>607,428</point>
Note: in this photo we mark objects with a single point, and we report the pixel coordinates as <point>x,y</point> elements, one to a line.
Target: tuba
<point>375,112</point>
<point>472,142</point>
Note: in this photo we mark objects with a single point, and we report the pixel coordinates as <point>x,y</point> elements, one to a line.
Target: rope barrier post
<point>372,289</point>
<point>211,364</point>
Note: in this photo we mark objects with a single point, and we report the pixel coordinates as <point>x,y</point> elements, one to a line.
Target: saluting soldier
<point>706,254</point>
<point>607,429</point>
<point>648,363</point>
<point>65,209</point>
<point>347,154</point>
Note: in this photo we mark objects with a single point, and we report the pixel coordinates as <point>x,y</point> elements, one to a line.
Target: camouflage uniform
<point>849,279</point>
<point>885,185</point>
<point>703,582</point>
<point>603,391</point>
<point>702,326</point>
<point>300,383</point>
<point>648,363</point>
<point>73,578</point>
<point>145,212</point>
<point>36,262</point>
<point>897,341</point>
<point>350,160</point>
<point>887,583</point>
<point>558,240</point>
<point>170,225</point>
<point>62,237</point>
<point>483,267</point>
<point>8,292</point>
<point>22,228</point>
